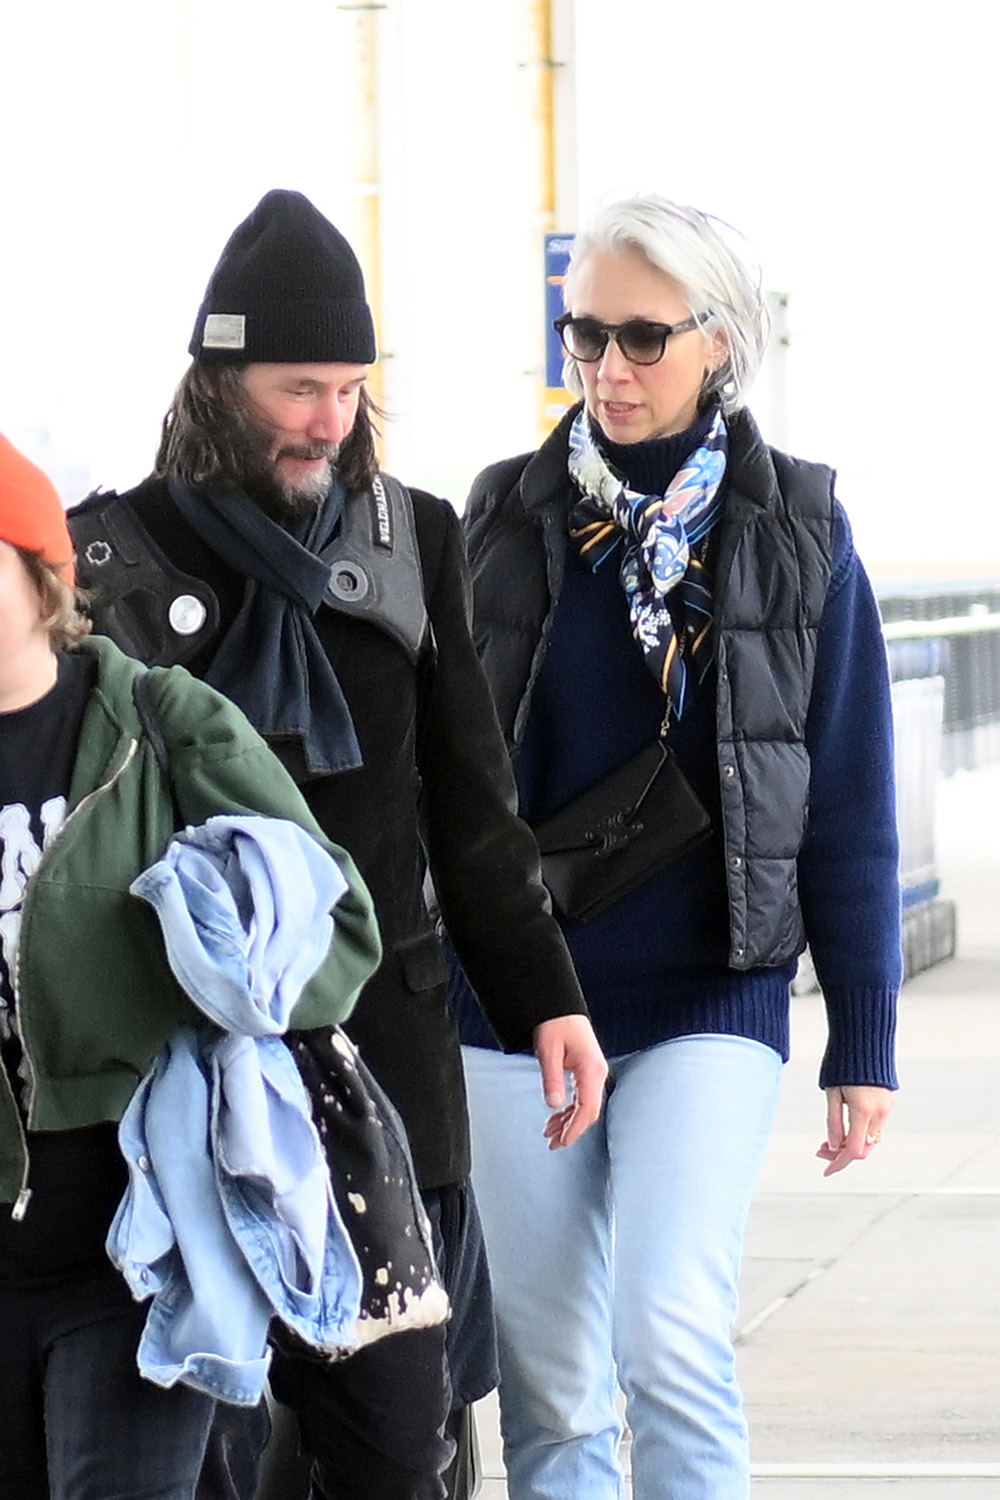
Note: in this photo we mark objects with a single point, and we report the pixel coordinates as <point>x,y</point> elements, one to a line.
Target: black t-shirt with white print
<point>76,1177</point>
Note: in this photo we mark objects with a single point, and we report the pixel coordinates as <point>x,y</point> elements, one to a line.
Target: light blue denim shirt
<point>224,1240</point>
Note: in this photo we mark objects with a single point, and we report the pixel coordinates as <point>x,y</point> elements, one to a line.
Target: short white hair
<point>693,248</point>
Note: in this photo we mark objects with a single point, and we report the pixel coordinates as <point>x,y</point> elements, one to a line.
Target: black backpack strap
<point>151,609</point>
<point>156,612</point>
<point>374,563</point>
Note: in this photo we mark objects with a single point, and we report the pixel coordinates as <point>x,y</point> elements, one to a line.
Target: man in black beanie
<point>270,556</point>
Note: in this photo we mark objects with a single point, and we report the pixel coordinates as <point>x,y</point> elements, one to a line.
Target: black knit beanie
<point>288,289</point>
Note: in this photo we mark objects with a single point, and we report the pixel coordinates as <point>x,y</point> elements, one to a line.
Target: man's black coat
<point>435,779</point>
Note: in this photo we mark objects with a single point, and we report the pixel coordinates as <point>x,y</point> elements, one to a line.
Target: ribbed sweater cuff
<point>861,1047</point>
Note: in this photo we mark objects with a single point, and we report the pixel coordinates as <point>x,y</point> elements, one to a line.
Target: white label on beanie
<point>224,331</point>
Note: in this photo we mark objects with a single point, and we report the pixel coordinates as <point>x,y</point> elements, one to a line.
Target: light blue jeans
<point>616,1262</point>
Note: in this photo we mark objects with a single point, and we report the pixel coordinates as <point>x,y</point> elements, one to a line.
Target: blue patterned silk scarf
<point>660,534</point>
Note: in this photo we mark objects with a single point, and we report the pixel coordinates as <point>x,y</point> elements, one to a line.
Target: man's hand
<point>564,1045</point>
<point>855,1116</point>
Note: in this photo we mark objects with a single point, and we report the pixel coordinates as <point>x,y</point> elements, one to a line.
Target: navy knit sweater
<point>654,966</point>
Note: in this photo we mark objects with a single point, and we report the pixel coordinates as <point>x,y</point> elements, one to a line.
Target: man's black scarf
<point>271,662</point>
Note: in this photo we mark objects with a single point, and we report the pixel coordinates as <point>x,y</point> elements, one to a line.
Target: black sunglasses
<point>641,341</point>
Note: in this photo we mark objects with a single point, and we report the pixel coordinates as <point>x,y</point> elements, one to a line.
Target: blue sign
<point>557,253</point>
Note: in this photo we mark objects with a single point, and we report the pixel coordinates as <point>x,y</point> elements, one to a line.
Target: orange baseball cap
<point>31,512</point>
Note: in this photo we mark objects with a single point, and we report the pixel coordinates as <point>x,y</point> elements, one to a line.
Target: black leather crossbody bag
<point>620,832</point>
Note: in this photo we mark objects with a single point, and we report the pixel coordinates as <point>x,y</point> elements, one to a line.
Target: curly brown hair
<point>62,604</point>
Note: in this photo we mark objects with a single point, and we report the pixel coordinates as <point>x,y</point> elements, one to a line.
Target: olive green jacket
<point>94,996</point>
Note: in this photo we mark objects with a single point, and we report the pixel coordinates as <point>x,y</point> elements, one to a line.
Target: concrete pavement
<point>869,1328</point>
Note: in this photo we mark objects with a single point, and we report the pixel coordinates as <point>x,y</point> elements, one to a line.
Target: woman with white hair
<point>687,661</point>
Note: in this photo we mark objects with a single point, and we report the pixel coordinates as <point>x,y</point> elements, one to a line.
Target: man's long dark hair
<point>211,435</point>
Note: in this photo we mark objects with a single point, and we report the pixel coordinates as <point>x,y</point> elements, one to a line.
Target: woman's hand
<point>855,1117</point>
<point>567,1044</point>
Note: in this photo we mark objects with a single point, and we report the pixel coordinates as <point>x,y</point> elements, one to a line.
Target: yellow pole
<point>545,113</point>
<point>552,402</point>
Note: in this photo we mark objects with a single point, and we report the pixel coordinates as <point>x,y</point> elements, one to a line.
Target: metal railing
<point>954,633</point>
<point>944,657</point>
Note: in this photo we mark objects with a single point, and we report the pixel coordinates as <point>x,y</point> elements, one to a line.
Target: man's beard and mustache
<point>304,497</point>
<point>262,481</point>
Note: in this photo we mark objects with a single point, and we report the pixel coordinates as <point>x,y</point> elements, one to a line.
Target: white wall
<point>136,136</point>
<point>854,143</point>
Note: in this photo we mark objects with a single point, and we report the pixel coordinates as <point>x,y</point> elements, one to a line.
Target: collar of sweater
<point>647,468</point>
